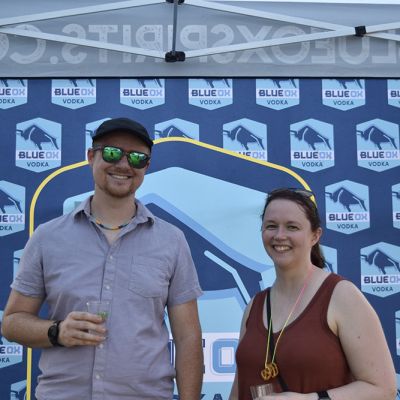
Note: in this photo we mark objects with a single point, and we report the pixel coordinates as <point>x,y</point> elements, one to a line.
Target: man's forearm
<point>26,329</point>
<point>189,368</point>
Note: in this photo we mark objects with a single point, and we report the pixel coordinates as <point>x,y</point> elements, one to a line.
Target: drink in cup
<point>261,390</point>
<point>99,307</point>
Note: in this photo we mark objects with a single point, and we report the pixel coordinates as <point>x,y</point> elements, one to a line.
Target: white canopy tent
<point>153,39</point>
<point>199,38</point>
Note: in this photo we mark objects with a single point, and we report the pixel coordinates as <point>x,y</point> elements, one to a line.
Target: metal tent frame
<point>10,26</point>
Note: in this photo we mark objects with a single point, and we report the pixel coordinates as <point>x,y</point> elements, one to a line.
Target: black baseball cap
<point>124,125</point>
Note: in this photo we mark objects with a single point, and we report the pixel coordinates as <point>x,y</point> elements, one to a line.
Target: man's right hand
<point>82,329</point>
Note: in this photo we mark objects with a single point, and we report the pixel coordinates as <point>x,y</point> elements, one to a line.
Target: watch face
<point>53,333</point>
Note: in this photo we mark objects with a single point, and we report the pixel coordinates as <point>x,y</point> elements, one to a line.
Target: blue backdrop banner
<point>221,145</point>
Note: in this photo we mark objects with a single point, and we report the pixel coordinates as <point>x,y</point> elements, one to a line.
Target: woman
<point>327,340</point>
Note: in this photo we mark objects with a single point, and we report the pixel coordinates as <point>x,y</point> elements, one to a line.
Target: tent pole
<point>173,55</point>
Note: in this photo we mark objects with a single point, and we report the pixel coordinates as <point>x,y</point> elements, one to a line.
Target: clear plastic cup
<point>261,390</point>
<point>101,308</point>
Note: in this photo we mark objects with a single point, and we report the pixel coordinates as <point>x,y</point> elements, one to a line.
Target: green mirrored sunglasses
<point>112,154</point>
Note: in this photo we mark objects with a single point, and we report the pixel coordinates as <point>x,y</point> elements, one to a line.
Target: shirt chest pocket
<point>149,278</point>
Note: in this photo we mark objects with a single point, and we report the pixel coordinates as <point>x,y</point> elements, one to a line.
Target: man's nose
<point>123,162</point>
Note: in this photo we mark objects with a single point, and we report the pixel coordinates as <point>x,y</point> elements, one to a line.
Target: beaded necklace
<point>108,227</point>
<point>271,370</point>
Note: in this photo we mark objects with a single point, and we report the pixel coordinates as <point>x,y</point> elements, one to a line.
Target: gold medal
<point>269,372</point>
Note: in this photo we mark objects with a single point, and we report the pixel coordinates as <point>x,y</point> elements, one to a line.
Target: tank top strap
<point>256,308</point>
<point>323,295</point>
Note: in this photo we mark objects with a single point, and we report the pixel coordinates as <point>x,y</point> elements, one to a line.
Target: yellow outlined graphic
<point>156,142</point>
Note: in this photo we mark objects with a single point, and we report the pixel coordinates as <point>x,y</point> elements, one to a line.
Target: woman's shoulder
<point>347,306</point>
<point>347,293</point>
<point>336,281</point>
<point>344,286</point>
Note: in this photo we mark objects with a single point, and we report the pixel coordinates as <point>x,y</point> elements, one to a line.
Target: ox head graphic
<point>380,260</point>
<point>6,200</point>
<point>75,82</point>
<point>172,131</point>
<point>244,136</point>
<point>346,198</point>
<point>346,82</point>
<point>396,194</point>
<point>38,136</point>
<point>311,137</point>
<point>377,137</point>
<point>5,82</point>
<point>211,82</point>
<point>144,83</point>
<point>278,82</point>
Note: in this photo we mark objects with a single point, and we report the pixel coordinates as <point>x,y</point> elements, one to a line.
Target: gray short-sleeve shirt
<point>68,261</point>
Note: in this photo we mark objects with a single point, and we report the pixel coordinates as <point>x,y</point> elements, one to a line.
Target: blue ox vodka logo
<point>378,145</point>
<point>38,145</point>
<point>343,94</point>
<point>246,137</point>
<point>347,207</point>
<point>10,353</point>
<point>330,256</point>
<point>176,128</point>
<point>396,205</point>
<point>13,92</point>
<point>18,390</point>
<point>219,356</point>
<point>312,145</point>
<point>73,93</point>
<point>90,129</point>
<point>277,93</point>
<point>380,269</point>
<point>393,91</point>
<point>12,206</point>
<point>397,322</point>
<point>210,93</point>
<point>142,93</point>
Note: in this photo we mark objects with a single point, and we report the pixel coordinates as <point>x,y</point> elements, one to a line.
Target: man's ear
<point>90,156</point>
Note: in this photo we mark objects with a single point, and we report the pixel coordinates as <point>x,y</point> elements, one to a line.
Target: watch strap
<point>53,333</point>
<point>323,395</point>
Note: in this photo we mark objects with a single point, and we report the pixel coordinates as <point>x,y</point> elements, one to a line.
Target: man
<point>110,248</point>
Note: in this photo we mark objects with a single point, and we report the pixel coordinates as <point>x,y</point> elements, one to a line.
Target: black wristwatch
<point>53,332</point>
<point>323,395</point>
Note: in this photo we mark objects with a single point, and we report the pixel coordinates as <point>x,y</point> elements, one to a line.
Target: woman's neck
<point>288,281</point>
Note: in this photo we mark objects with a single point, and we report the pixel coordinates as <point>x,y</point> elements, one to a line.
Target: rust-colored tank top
<point>309,355</point>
